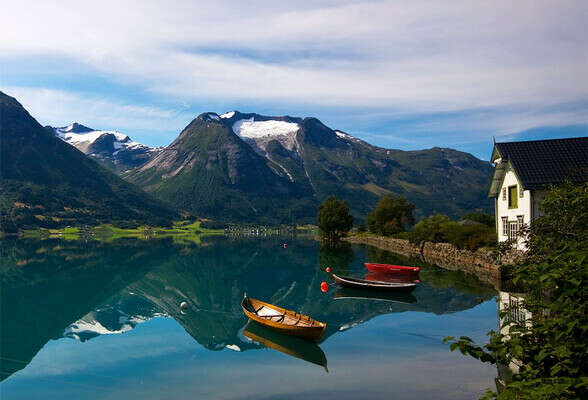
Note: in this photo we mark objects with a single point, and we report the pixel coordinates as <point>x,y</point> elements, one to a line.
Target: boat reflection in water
<point>384,277</point>
<point>359,294</point>
<point>293,346</point>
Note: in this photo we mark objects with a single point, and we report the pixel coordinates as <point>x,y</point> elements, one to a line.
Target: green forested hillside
<point>212,171</point>
<point>46,182</point>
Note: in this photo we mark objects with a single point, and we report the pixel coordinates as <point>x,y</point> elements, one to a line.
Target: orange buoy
<point>328,269</point>
<point>324,287</point>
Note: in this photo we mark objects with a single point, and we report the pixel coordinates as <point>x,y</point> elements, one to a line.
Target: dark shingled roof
<point>542,162</point>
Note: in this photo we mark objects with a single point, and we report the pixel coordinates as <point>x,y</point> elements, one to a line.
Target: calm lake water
<point>87,320</point>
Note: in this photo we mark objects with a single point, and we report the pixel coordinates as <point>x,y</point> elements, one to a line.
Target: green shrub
<point>439,228</point>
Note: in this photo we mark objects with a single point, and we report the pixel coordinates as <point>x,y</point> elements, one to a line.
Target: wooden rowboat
<point>291,345</point>
<point>282,320</point>
<point>391,269</point>
<point>357,283</point>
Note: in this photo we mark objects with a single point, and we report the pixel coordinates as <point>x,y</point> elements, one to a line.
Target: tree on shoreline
<point>549,344</point>
<point>391,215</point>
<point>334,219</point>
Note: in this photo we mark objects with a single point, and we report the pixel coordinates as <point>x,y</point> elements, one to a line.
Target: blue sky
<point>400,74</point>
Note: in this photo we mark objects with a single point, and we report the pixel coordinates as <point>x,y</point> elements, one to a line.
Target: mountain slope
<point>257,168</point>
<point>210,171</point>
<point>112,149</point>
<point>47,182</point>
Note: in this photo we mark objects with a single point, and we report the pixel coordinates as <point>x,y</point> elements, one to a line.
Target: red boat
<point>392,269</point>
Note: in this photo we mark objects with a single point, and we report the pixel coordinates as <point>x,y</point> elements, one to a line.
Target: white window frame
<point>504,226</point>
<point>513,229</point>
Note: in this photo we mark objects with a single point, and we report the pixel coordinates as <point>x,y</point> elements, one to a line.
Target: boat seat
<point>269,313</point>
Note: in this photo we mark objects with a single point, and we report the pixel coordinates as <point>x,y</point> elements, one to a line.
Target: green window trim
<point>513,196</point>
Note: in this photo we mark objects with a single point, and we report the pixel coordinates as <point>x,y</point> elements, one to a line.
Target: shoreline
<point>483,263</point>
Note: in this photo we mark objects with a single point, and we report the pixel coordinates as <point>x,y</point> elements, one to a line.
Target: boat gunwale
<point>372,284</point>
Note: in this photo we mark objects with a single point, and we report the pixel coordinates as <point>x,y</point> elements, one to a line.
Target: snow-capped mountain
<point>251,167</point>
<point>114,149</point>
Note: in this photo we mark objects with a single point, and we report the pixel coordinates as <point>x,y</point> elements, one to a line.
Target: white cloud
<point>408,56</point>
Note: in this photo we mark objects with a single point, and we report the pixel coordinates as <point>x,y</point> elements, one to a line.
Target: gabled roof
<point>538,163</point>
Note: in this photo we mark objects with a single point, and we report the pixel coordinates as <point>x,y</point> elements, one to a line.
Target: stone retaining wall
<point>482,263</point>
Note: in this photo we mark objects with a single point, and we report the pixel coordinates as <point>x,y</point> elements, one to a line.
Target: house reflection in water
<point>511,304</point>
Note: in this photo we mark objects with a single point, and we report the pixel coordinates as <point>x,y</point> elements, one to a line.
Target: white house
<point>522,172</point>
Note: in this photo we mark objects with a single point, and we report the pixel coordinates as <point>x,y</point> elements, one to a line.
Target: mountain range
<point>237,166</point>
<point>232,167</point>
<point>47,182</point>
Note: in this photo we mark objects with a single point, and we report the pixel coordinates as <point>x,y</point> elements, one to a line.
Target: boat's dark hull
<point>356,283</point>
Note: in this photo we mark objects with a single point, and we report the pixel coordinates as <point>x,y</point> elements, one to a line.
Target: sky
<point>399,74</point>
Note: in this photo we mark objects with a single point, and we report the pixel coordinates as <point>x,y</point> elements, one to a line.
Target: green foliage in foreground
<point>439,228</point>
<point>550,345</point>
<point>391,215</point>
<point>334,219</point>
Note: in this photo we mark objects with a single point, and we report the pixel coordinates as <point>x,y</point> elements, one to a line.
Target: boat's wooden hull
<point>392,269</point>
<point>357,283</point>
<point>281,320</point>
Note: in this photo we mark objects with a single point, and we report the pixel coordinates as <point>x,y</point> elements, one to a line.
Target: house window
<point>512,197</point>
<point>513,231</point>
<point>503,193</point>
<point>504,226</point>
<point>521,192</point>
<point>520,220</point>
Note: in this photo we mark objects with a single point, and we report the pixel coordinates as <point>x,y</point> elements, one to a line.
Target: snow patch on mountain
<point>228,115</point>
<point>262,132</point>
<point>258,129</point>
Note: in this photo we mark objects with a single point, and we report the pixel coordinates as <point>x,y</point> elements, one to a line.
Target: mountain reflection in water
<point>54,289</point>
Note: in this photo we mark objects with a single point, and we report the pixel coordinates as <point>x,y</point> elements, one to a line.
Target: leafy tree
<point>550,345</point>
<point>435,228</point>
<point>482,218</point>
<point>391,215</point>
<point>334,220</point>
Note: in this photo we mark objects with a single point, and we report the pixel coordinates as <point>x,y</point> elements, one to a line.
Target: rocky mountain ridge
<point>112,149</point>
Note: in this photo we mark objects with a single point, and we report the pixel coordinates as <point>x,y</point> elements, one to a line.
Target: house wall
<point>524,207</point>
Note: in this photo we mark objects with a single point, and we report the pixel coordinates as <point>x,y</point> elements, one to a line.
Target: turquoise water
<point>102,321</point>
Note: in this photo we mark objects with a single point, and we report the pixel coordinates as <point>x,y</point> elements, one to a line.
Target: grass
<point>180,232</point>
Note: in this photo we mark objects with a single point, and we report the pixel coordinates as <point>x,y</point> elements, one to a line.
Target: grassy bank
<point>180,231</point>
